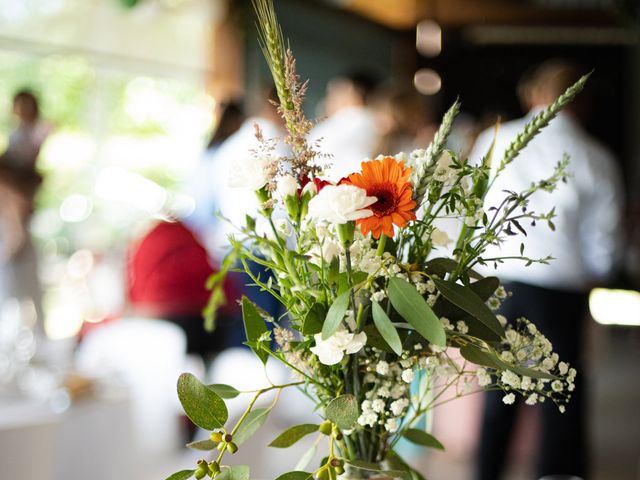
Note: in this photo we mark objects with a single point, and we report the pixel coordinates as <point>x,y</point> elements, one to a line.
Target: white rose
<point>440,238</point>
<point>340,204</point>
<point>287,186</point>
<point>252,172</point>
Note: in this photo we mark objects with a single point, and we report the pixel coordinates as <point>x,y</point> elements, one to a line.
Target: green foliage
<point>414,309</point>
<point>254,420</point>
<point>203,406</point>
<point>254,328</point>
<point>237,472</point>
<point>386,328</point>
<point>314,320</point>
<point>293,434</point>
<point>225,391</point>
<point>420,437</point>
<point>204,445</point>
<point>181,475</point>
<point>466,298</point>
<point>374,467</point>
<point>343,411</point>
<point>335,315</point>
<point>297,475</point>
<point>306,458</point>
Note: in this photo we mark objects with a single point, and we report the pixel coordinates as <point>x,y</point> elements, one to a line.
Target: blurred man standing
<point>349,133</point>
<point>28,137</point>
<point>585,247</point>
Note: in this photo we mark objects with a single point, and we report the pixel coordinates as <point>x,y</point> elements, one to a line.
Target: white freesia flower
<point>252,172</point>
<point>287,186</point>
<point>440,238</point>
<point>340,204</point>
<point>333,349</point>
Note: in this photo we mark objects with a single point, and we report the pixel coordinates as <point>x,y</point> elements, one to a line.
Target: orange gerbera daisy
<point>388,181</point>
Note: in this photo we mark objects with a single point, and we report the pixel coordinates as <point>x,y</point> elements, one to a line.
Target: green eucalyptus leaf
<point>254,327</point>
<point>255,419</point>
<point>374,467</point>
<point>202,445</point>
<point>414,309</point>
<point>181,475</point>
<point>356,279</point>
<point>335,315</point>
<point>466,299</point>
<point>375,340</point>
<point>225,391</point>
<point>203,406</point>
<point>420,437</point>
<point>237,472</point>
<point>386,328</point>
<point>306,458</point>
<point>481,357</point>
<point>293,434</point>
<point>343,411</point>
<point>297,475</point>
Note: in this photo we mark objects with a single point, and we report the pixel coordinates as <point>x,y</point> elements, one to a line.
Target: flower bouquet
<point>381,325</point>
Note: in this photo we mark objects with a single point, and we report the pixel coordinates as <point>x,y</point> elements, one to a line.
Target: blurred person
<point>19,277</point>
<point>167,271</point>
<point>403,119</point>
<point>349,132</point>
<point>203,222</point>
<point>27,139</point>
<point>585,247</point>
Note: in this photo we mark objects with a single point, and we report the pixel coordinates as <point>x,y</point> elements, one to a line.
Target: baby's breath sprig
<point>540,121</point>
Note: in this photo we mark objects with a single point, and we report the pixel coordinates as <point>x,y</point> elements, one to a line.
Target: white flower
<point>484,378</point>
<point>563,367</point>
<point>340,204</point>
<point>462,327</point>
<point>440,238</point>
<point>333,349</point>
<point>251,172</point>
<point>398,406</point>
<point>391,425</point>
<point>377,405</point>
<point>378,296</point>
<point>287,186</point>
<point>368,419</point>
<point>509,399</point>
<point>443,169</point>
<point>557,386</point>
<point>408,375</point>
<point>382,368</point>
<point>325,252</point>
<point>532,399</point>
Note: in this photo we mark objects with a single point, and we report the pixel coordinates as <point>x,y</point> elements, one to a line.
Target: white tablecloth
<point>90,440</point>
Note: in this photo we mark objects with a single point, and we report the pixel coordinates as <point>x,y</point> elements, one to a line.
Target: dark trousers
<point>560,316</point>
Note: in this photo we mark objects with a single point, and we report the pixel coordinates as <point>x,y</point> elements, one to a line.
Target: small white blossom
<point>462,327</point>
<point>509,399</point>
<point>484,379</point>
<point>251,172</point>
<point>532,399</point>
<point>398,406</point>
<point>382,368</point>
<point>440,238</point>
<point>378,296</point>
<point>391,425</point>
<point>408,375</point>
<point>378,405</point>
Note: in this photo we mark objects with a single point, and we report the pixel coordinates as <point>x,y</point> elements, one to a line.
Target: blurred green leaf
<point>374,467</point>
<point>386,328</point>
<point>335,315</point>
<point>306,458</point>
<point>485,287</point>
<point>203,406</point>
<point>293,434</point>
<point>181,475</point>
<point>314,319</point>
<point>255,419</point>
<point>420,437</point>
<point>237,472</point>
<point>295,476</point>
<point>225,391</point>
<point>254,327</point>
<point>202,445</point>
<point>343,411</point>
<point>414,309</point>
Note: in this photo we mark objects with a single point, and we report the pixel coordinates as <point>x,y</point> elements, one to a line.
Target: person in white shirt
<point>349,133</point>
<point>585,246</point>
